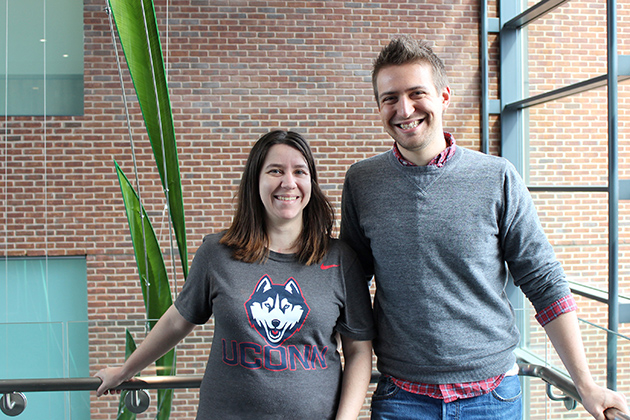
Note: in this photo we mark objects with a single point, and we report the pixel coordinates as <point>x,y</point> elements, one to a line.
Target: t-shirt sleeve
<point>194,302</point>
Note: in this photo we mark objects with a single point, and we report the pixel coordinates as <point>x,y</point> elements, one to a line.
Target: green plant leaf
<point>137,29</point>
<point>152,271</point>
<point>130,344</point>
<point>157,293</point>
<point>165,401</point>
<point>123,412</point>
<point>143,52</point>
<point>165,367</point>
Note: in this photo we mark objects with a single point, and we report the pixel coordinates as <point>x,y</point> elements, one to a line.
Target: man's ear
<point>446,97</point>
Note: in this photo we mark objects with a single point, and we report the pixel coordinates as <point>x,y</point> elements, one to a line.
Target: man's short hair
<point>406,50</point>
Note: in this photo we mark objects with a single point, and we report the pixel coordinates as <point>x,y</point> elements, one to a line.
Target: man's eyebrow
<point>418,87</point>
<point>386,94</point>
<point>393,92</point>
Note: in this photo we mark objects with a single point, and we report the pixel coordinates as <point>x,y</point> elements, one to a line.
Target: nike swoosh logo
<point>326,267</point>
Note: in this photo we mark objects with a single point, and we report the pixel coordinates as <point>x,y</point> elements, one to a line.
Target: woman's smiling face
<point>284,185</point>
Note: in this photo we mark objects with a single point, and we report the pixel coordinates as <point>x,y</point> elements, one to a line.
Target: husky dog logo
<point>276,311</point>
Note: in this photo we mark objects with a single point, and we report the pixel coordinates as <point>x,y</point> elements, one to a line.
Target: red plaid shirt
<point>439,160</point>
<point>452,392</point>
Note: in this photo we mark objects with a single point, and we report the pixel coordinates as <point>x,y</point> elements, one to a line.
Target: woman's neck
<point>283,239</point>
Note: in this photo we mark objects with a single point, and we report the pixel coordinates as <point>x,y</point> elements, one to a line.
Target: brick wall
<point>237,69</point>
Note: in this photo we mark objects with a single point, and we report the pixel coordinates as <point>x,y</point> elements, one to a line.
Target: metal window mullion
<point>613,196</point>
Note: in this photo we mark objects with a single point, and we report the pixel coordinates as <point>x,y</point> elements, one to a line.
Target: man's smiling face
<point>411,109</point>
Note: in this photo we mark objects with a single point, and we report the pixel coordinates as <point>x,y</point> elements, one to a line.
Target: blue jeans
<point>392,403</point>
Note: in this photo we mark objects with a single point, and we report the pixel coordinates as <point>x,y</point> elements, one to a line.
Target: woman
<point>282,292</point>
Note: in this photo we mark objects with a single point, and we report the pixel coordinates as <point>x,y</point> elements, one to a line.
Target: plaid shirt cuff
<point>559,307</point>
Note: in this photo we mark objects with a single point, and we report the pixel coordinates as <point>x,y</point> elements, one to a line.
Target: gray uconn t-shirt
<point>274,353</point>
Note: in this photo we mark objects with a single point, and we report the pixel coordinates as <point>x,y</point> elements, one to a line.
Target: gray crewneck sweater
<point>439,242</point>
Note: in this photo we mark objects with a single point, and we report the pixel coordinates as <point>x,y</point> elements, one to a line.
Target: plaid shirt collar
<point>438,160</point>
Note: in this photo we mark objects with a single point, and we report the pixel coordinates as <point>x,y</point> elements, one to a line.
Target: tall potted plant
<point>138,33</point>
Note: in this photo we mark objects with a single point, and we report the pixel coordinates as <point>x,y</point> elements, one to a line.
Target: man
<point>439,226</point>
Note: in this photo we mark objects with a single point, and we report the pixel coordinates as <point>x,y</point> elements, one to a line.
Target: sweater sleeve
<point>527,251</point>
<point>351,231</point>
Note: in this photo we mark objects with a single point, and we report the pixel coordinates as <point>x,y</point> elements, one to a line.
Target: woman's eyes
<point>300,172</point>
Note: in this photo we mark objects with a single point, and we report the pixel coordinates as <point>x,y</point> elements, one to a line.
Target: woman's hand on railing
<point>111,377</point>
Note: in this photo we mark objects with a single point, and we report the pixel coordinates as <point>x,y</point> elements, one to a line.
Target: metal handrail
<point>553,378</point>
<point>91,384</point>
<point>15,387</point>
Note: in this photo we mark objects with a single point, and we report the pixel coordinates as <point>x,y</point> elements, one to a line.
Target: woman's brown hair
<point>247,235</point>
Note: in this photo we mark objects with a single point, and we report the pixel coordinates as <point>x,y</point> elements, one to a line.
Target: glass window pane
<point>44,329</point>
<point>42,56</point>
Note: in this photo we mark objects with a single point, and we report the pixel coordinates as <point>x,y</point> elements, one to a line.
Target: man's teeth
<point>410,125</point>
